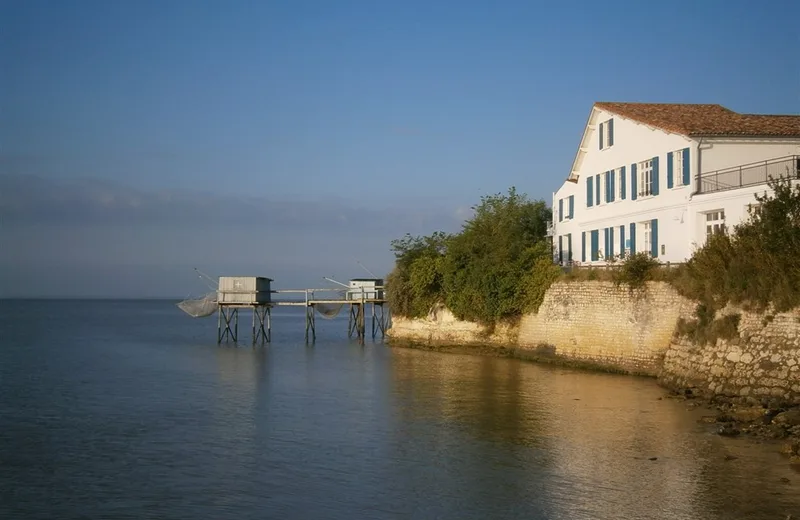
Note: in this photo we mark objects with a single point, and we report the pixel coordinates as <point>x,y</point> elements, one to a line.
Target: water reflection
<point>584,442</point>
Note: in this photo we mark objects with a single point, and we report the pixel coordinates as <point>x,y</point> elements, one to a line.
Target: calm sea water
<point>129,409</point>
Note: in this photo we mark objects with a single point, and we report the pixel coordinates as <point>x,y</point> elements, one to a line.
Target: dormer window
<point>606,134</point>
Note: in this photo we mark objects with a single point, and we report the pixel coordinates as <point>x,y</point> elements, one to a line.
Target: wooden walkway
<point>358,303</point>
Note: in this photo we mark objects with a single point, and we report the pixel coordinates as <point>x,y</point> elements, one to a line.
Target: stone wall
<point>593,322</point>
<point>762,362</point>
<point>608,325</point>
<point>441,327</point>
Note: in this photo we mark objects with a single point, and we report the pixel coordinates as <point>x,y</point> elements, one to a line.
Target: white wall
<point>681,215</point>
<point>633,142</point>
<point>716,154</point>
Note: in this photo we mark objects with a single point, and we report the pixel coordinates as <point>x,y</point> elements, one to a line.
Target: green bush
<point>485,273</point>
<point>636,270</point>
<point>758,263</point>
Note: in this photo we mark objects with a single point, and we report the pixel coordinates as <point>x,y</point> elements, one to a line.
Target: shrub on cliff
<point>415,283</point>
<point>487,272</point>
<point>757,263</point>
<point>487,261</point>
<point>636,270</point>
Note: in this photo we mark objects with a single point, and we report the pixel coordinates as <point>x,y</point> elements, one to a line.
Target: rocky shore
<point>770,419</point>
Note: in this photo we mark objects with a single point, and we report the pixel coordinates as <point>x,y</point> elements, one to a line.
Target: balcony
<point>750,174</point>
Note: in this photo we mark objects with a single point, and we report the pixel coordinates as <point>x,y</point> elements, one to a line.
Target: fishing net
<point>328,310</point>
<point>200,307</point>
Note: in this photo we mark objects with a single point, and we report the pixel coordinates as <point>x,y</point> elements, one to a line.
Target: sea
<point>115,409</point>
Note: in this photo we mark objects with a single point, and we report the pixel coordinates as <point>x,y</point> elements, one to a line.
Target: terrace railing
<point>750,174</point>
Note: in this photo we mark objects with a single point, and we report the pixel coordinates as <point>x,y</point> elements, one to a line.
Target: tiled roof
<point>705,120</point>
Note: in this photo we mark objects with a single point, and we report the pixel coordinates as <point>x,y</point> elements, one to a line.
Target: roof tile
<point>705,120</point>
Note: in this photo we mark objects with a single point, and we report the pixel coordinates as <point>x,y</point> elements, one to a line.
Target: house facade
<point>660,178</point>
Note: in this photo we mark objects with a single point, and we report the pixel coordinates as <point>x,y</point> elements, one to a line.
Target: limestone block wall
<point>605,324</point>
<point>591,321</point>
<point>441,326</point>
<point>764,361</point>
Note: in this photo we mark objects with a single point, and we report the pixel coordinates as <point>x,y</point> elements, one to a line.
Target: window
<point>677,167</point>
<point>620,183</point>
<point>602,186</point>
<point>645,169</point>
<point>646,234</point>
<point>715,222</point>
<point>752,210</point>
<point>606,137</point>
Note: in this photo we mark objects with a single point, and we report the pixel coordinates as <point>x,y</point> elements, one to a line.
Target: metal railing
<point>750,174</point>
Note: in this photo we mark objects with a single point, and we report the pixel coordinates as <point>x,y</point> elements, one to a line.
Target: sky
<point>296,139</point>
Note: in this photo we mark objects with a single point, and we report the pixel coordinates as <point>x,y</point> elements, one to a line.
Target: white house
<point>660,178</point>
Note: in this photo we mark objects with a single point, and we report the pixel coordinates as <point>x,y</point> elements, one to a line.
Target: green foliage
<point>706,329</point>
<point>415,284</point>
<point>487,272</point>
<point>534,284</point>
<point>636,270</point>
<point>758,263</point>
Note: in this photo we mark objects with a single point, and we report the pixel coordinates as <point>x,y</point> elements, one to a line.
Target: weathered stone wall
<point>606,324</point>
<point>764,361</point>
<point>440,326</point>
<point>594,322</point>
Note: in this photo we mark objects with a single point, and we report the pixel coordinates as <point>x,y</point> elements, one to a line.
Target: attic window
<point>606,134</point>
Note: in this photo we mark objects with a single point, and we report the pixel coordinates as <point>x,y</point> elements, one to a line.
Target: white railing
<point>750,174</point>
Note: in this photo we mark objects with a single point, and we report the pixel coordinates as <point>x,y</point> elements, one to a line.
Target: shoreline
<point>772,420</point>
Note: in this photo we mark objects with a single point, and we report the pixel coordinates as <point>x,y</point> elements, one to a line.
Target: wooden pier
<point>362,297</point>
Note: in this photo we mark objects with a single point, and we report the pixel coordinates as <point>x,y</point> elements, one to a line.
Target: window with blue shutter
<point>622,240</point>
<point>654,237</point>
<point>560,210</point>
<point>633,237</point>
<point>611,242</point>
<point>622,180</point>
<point>597,188</point>
<point>569,247</point>
<point>655,176</point>
<point>601,142</point>
<point>633,181</point>
<point>595,245</point>
<point>571,211</point>
<point>685,167</point>
<point>611,132</point>
<point>613,185</point>
<point>669,170</point>
<point>589,192</point>
<point>583,246</point>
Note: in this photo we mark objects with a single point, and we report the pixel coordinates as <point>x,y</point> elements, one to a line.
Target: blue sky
<point>128,129</point>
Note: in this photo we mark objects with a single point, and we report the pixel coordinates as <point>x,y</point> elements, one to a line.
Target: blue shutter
<point>622,180</point>
<point>560,249</point>
<point>571,206</point>
<point>654,237</point>
<point>605,243</point>
<point>569,247</point>
<point>583,246</point>
<point>611,242</point>
<point>633,181</point>
<point>655,175</point>
<point>589,192</point>
<point>560,210</point>
<point>610,132</point>
<point>669,170</point>
<point>597,187</point>
<point>685,167</point>
<point>600,143</point>
<point>595,244</point>
<point>633,238</point>
<point>622,240</point>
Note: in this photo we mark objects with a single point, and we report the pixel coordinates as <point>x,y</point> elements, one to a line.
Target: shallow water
<point>113,409</point>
